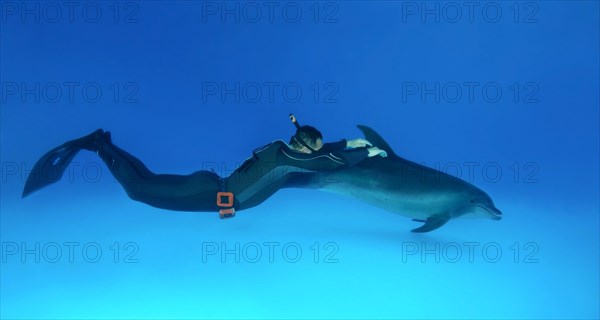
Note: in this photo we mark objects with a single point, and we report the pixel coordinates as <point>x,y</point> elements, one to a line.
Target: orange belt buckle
<point>225,202</point>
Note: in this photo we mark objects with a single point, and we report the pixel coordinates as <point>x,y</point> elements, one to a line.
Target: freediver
<point>270,168</point>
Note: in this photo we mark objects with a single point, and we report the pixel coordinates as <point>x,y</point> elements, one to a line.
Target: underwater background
<point>502,94</point>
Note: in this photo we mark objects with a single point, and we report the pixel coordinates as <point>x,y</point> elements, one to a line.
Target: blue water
<point>505,96</point>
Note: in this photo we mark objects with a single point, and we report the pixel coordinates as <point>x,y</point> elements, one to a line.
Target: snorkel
<point>297,137</point>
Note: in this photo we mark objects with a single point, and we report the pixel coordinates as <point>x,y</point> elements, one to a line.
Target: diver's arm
<point>310,161</point>
<point>353,156</point>
<point>345,144</point>
<point>322,161</point>
<point>334,146</point>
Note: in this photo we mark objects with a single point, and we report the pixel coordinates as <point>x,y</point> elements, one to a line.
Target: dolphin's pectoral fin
<point>419,220</point>
<point>433,223</point>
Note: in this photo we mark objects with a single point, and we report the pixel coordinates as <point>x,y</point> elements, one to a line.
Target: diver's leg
<point>194,192</point>
<point>125,167</point>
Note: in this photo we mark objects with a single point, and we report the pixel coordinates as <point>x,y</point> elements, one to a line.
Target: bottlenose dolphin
<point>408,188</point>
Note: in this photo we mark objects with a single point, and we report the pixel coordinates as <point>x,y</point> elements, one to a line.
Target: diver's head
<point>305,139</point>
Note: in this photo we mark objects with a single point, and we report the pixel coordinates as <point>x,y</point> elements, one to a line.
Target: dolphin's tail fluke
<point>50,167</point>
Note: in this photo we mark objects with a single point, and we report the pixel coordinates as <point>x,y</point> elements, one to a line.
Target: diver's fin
<point>376,139</point>
<point>50,167</point>
<point>433,223</point>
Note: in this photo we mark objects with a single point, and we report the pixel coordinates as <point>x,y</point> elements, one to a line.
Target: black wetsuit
<point>271,168</point>
<point>276,166</point>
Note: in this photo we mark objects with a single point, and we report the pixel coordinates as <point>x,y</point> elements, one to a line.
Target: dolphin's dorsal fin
<point>376,140</point>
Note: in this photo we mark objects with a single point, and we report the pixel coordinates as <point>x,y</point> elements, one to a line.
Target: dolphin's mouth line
<point>493,211</point>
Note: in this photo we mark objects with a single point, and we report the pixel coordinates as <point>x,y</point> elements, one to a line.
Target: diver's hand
<point>358,143</point>
<point>374,151</point>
